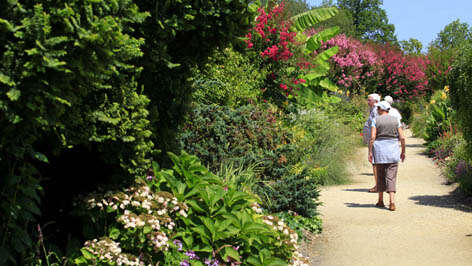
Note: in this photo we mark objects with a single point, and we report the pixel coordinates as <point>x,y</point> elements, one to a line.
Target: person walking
<point>372,100</point>
<point>384,152</point>
<point>393,111</point>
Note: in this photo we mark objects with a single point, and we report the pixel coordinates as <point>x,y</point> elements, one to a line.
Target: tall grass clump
<point>323,145</point>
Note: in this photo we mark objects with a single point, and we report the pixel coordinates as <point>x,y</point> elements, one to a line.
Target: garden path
<point>430,226</point>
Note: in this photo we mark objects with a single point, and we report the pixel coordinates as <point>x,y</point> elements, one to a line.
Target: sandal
<point>392,207</point>
<point>373,190</point>
<point>380,204</point>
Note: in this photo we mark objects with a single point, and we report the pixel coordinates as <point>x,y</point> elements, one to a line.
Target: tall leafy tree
<point>453,35</point>
<point>370,20</point>
<point>411,46</point>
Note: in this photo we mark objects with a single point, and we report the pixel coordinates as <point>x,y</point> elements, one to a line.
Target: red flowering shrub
<point>275,46</point>
<point>355,66</point>
<point>377,68</point>
<point>403,75</point>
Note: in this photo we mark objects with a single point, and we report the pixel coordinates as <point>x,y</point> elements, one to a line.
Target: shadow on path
<point>358,205</point>
<point>357,189</point>
<point>414,145</point>
<point>369,174</point>
<point>453,200</point>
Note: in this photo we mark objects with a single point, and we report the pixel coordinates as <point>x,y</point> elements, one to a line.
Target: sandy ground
<point>430,226</point>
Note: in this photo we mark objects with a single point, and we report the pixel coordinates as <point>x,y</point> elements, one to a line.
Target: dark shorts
<point>387,177</point>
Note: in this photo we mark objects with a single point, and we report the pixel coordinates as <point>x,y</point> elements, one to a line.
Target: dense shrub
<point>323,141</point>
<point>185,216</point>
<point>72,77</point>
<point>439,116</point>
<point>461,91</point>
<point>246,134</point>
<point>178,36</point>
<point>229,78</point>
<point>67,82</point>
<point>294,192</point>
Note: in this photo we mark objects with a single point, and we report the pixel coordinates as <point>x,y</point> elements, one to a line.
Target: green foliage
<point>370,20</point>
<point>324,140</point>
<point>461,92</point>
<point>343,20</point>
<point>313,17</point>
<point>178,36</point>
<point>228,78</point>
<point>453,36</point>
<point>440,116</point>
<point>242,176</point>
<point>247,134</point>
<point>293,192</point>
<point>411,46</point>
<point>301,224</point>
<point>203,222</point>
<point>314,89</point>
<point>67,82</point>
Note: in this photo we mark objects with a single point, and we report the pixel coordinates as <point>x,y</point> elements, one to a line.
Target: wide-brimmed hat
<point>383,105</point>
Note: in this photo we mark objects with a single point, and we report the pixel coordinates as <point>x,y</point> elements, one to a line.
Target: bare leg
<point>380,202</point>
<point>392,200</point>
<point>374,189</point>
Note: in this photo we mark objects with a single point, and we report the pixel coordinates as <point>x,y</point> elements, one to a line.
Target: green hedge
<point>460,80</point>
<point>247,134</point>
<point>93,85</point>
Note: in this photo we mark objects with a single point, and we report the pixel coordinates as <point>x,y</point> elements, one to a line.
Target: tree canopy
<point>453,35</point>
<point>411,46</point>
<point>370,20</point>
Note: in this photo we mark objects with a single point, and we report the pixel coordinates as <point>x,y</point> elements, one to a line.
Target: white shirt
<point>394,112</point>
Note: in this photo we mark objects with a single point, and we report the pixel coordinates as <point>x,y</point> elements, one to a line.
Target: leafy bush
<point>296,192</point>
<point>247,134</point>
<point>439,115</point>
<point>229,78</point>
<point>323,141</point>
<point>67,83</point>
<point>185,215</point>
<point>301,224</point>
<point>178,36</point>
<point>457,166</point>
<point>461,91</point>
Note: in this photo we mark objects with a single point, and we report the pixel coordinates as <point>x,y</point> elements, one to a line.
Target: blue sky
<point>423,19</point>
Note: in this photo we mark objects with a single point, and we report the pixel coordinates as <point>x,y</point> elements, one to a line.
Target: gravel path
<point>430,226</point>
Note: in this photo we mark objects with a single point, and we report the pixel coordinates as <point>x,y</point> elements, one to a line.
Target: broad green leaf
<point>314,42</point>
<point>196,206</point>
<point>41,157</point>
<point>14,94</point>
<point>114,233</point>
<point>321,59</point>
<point>87,254</point>
<point>6,80</point>
<point>328,84</point>
<point>310,18</point>
<point>231,252</point>
<point>273,261</point>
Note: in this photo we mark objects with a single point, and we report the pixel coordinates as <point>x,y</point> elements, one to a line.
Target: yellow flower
<point>347,93</point>
<point>446,88</point>
<point>340,92</point>
<point>432,102</point>
<point>443,96</point>
<point>286,103</point>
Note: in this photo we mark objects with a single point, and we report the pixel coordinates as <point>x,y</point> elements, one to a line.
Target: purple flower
<point>149,177</point>
<point>184,263</point>
<point>236,248</point>
<point>178,243</point>
<point>214,262</point>
<point>191,254</point>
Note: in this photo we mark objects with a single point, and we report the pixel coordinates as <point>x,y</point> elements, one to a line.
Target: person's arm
<point>373,133</point>
<point>401,137</point>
